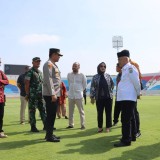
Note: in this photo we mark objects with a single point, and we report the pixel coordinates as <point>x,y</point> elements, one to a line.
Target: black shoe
<point>53,136</point>
<point>69,127</point>
<point>66,117</point>
<point>138,134</point>
<point>52,139</point>
<point>134,139</point>
<point>83,128</point>
<point>121,144</point>
<point>56,136</point>
<point>115,124</point>
<point>34,129</point>
<point>54,128</point>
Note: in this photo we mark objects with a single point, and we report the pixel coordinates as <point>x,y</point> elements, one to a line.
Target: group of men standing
<point>47,99</point>
<point>128,89</point>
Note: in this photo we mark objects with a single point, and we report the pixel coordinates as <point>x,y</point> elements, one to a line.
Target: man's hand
<point>92,100</point>
<point>54,98</point>
<point>139,97</point>
<point>26,97</point>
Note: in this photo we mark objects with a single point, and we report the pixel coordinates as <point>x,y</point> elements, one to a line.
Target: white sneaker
<point>2,135</point>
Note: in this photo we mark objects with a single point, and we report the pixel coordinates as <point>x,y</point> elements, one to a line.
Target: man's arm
<point>27,84</point>
<point>134,77</point>
<point>47,74</point>
<point>92,91</point>
<point>84,82</point>
<point>4,80</point>
<point>18,83</point>
<point>112,83</point>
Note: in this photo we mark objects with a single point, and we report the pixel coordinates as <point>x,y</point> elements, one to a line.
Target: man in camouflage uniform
<point>33,88</point>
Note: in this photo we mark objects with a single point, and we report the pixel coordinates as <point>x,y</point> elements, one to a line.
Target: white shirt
<point>77,83</point>
<point>129,85</point>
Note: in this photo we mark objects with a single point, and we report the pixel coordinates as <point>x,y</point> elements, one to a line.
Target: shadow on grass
<point>91,146</point>
<point>141,153</point>
<point>24,133</point>
<point>19,144</point>
<point>116,127</point>
<point>12,123</point>
<point>80,133</point>
<point>84,133</point>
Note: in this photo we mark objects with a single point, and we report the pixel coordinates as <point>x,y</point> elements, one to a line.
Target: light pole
<point>117,42</point>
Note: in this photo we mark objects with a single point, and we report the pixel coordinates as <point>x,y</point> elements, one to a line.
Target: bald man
<point>77,84</point>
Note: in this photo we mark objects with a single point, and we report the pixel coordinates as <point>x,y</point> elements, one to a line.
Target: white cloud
<point>39,39</point>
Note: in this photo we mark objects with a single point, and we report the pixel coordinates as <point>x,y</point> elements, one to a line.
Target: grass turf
<point>77,144</point>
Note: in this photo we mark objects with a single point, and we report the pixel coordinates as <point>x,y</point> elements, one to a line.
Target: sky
<point>82,30</point>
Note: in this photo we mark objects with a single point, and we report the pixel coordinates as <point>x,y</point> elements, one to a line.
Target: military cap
<point>123,53</point>
<point>54,51</point>
<point>36,59</point>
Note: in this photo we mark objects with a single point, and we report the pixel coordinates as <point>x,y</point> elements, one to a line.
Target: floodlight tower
<point>117,42</point>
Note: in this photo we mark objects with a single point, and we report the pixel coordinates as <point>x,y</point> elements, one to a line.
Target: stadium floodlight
<point>117,42</point>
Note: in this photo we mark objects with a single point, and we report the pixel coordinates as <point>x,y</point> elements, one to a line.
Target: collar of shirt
<point>52,63</point>
<point>75,73</point>
<point>126,66</point>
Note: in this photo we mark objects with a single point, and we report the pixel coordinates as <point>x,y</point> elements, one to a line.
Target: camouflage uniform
<point>35,95</point>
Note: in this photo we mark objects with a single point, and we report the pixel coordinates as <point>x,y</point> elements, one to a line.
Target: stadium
<point>150,82</point>
<point>82,30</point>
<point>77,144</point>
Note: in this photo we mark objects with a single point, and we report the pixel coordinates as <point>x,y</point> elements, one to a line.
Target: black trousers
<point>137,118</point>
<point>51,109</point>
<point>128,121</point>
<point>106,104</point>
<point>117,110</point>
<point>1,116</point>
<point>85,99</point>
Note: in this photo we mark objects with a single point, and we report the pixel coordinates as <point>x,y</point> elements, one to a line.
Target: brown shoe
<point>2,135</point>
<point>100,130</point>
<point>107,130</point>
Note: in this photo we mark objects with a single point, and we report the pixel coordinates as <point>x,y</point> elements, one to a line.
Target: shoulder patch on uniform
<point>50,65</point>
<point>130,70</point>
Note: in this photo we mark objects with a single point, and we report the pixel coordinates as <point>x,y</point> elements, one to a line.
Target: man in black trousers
<point>51,92</point>
<point>127,92</point>
<point>117,107</point>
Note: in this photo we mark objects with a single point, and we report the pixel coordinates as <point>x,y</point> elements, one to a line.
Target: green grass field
<point>81,145</point>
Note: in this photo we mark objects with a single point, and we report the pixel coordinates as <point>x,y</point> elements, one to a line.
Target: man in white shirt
<point>77,83</point>
<point>127,92</point>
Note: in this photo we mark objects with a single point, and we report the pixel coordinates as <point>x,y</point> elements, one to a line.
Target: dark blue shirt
<point>20,80</point>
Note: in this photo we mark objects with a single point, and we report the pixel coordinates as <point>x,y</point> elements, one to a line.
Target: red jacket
<point>3,81</point>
